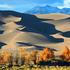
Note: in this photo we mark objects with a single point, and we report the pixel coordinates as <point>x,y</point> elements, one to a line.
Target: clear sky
<point>24,5</point>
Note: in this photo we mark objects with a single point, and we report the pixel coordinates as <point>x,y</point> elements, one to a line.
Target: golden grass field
<point>35,67</point>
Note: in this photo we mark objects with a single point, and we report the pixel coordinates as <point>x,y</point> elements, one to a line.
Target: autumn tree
<point>46,54</point>
<point>5,57</point>
<point>22,55</point>
<point>65,54</point>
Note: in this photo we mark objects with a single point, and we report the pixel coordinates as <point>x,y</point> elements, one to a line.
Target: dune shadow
<point>66,19</point>
<point>46,19</point>
<point>28,44</point>
<point>1,32</point>
<point>66,34</point>
<point>35,46</point>
<point>2,44</point>
<point>1,27</point>
<point>36,25</point>
<point>7,13</point>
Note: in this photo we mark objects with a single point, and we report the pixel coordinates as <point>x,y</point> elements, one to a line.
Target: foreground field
<point>35,67</point>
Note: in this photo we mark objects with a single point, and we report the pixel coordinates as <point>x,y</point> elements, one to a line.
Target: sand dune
<point>34,31</point>
<point>57,16</point>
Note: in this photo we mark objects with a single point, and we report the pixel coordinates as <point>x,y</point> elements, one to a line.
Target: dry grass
<point>35,67</point>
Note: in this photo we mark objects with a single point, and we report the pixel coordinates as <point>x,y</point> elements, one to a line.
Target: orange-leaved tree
<point>5,57</point>
<point>31,57</point>
<point>46,54</point>
<point>22,54</point>
<point>65,54</point>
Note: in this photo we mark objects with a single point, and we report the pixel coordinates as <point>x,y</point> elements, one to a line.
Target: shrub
<point>5,57</point>
<point>31,57</point>
<point>21,55</point>
<point>1,59</point>
<point>46,54</point>
<point>65,55</point>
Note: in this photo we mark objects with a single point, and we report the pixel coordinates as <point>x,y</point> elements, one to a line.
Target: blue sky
<point>24,5</point>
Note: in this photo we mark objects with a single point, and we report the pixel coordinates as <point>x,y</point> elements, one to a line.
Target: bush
<point>46,54</point>
<point>65,55</point>
<point>31,57</point>
<point>5,57</point>
<point>21,55</point>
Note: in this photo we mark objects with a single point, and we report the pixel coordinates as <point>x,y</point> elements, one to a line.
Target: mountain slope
<point>48,9</point>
